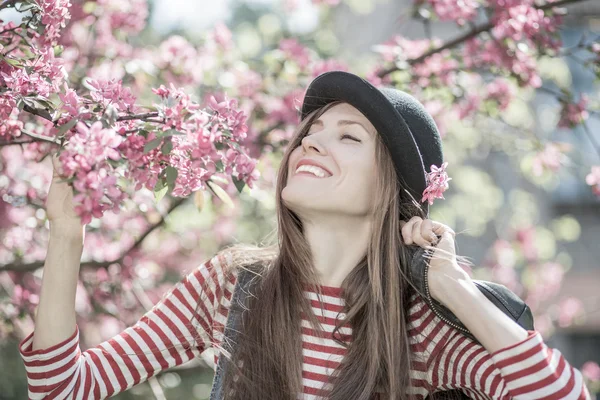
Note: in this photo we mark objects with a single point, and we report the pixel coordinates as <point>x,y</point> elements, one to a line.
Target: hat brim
<point>395,132</point>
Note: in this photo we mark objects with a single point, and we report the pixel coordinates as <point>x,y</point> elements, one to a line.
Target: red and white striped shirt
<point>166,336</point>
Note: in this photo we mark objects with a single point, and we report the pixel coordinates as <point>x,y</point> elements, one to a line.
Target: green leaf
<point>11,61</point>
<point>220,193</point>
<point>166,147</point>
<point>151,145</point>
<point>172,174</point>
<point>64,128</point>
<point>239,184</point>
<point>160,194</point>
<point>160,183</point>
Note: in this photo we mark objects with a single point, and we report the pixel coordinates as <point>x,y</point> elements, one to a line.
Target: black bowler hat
<point>407,129</point>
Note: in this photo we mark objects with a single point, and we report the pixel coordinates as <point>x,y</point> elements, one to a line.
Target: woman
<point>331,310</point>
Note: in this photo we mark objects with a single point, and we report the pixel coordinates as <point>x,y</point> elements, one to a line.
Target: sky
<point>198,15</point>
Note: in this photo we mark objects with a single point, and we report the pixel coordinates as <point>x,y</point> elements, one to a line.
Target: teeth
<point>320,172</point>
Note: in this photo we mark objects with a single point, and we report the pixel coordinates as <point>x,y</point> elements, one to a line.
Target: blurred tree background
<point>512,85</point>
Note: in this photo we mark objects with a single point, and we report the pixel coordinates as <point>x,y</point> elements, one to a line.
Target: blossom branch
<point>20,267</point>
<point>137,116</point>
<point>465,37</point>
<point>40,138</point>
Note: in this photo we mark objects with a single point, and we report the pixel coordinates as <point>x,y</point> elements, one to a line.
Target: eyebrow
<point>342,122</point>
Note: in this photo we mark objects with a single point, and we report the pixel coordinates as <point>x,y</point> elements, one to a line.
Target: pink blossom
<point>545,282</point>
<point>399,48</point>
<point>570,309</point>
<point>55,15</point>
<point>85,158</point>
<point>522,21</point>
<point>591,370</point>
<point>551,158</point>
<point>222,36</point>
<point>70,101</point>
<point>516,60</point>
<point>437,183</point>
<point>593,179</point>
<point>112,92</point>
<point>126,16</point>
<point>500,91</point>
<point>177,58</point>
<point>295,51</point>
<point>452,10</point>
<point>10,128</point>
<point>469,105</point>
<point>573,114</point>
<point>525,237</point>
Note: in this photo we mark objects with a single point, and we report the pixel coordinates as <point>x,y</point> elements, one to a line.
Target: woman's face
<point>342,141</point>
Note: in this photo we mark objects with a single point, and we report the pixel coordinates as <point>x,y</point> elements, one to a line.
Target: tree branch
<point>99,264</point>
<point>137,116</point>
<point>40,138</point>
<point>466,36</point>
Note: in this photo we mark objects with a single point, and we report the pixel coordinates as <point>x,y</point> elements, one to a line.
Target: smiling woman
<point>345,152</point>
<point>344,305</point>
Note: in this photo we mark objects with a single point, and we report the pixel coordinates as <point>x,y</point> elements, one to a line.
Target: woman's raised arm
<point>177,329</point>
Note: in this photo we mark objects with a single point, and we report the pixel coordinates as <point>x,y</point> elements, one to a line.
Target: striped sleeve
<point>174,331</point>
<point>532,370</point>
<point>528,370</point>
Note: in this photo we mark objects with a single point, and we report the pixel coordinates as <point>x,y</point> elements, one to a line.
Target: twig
<point>40,138</point>
<point>2,144</point>
<point>137,116</point>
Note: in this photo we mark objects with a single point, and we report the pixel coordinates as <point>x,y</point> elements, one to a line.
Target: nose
<point>311,142</point>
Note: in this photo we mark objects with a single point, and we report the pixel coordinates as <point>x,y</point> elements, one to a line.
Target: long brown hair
<point>269,347</point>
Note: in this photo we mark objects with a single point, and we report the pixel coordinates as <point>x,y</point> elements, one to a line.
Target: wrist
<point>455,293</point>
<point>67,228</point>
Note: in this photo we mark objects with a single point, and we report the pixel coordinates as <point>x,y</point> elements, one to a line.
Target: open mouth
<point>312,170</point>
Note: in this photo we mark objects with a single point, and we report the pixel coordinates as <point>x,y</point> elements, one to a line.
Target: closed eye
<point>345,135</point>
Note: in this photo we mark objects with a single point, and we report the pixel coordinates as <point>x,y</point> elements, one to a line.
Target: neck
<point>337,247</point>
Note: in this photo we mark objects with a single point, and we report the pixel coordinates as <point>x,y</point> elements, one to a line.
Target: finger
<point>427,231</point>
<point>407,231</point>
<point>439,229</point>
<point>416,234</point>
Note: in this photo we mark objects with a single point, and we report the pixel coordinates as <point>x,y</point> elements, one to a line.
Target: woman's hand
<point>59,203</point>
<point>444,271</point>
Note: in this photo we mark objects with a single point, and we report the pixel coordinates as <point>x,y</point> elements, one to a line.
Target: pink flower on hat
<point>437,183</point>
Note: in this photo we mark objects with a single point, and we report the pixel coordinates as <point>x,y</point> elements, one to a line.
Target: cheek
<point>293,160</point>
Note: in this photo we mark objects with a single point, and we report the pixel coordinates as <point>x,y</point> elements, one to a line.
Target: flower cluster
<point>85,158</point>
<point>452,10</point>
<point>437,183</point>
<point>551,158</point>
<point>573,114</point>
<point>55,15</point>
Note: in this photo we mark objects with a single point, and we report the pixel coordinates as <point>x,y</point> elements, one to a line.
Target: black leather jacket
<point>500,295</point>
